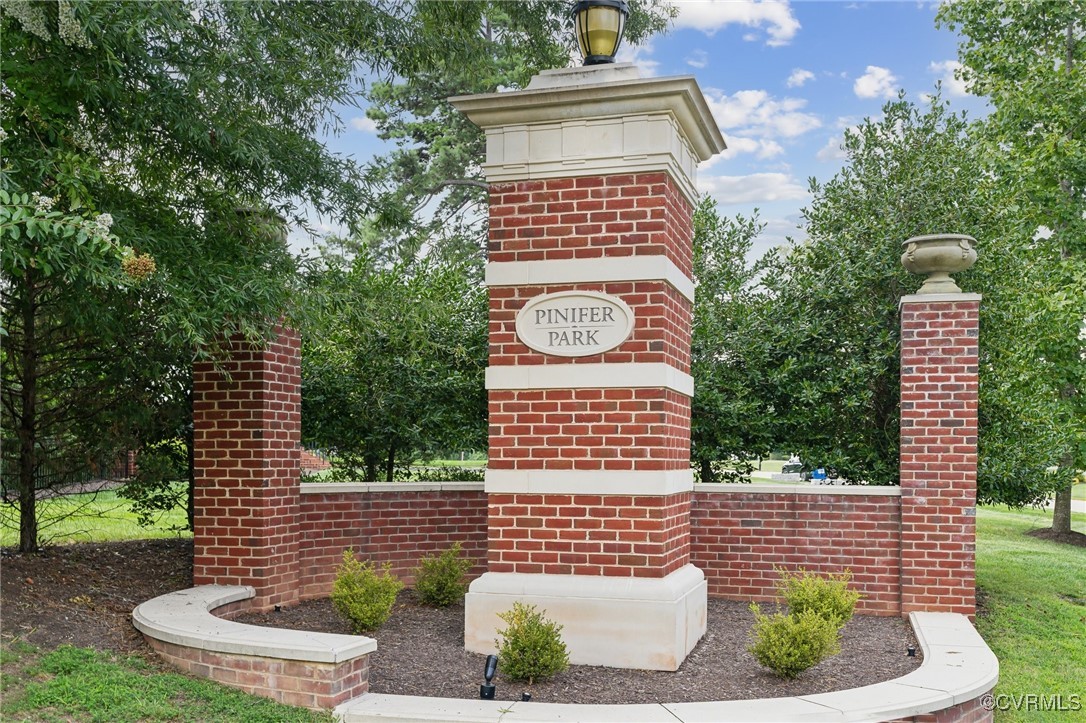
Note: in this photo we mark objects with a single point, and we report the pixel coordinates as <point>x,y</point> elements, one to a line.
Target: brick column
<point>589,481</point>
<point>938,452</point>
<point>247,431</point>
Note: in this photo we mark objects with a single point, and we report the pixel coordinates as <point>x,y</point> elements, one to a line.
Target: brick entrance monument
<point>589,484</point>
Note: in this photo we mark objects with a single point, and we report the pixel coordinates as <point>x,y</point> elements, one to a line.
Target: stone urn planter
<point>938,256</point>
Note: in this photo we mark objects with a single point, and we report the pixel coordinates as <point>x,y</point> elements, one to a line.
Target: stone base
<point>620,622</point>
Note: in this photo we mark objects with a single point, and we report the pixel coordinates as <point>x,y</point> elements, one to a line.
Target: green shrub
<point>829,595</point>
<point>531,648</point>
<point>789,644</point>
<point>439,580</point>
<point>362,595</point>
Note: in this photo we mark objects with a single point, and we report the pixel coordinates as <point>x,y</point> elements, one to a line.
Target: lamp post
<point>600,24</point>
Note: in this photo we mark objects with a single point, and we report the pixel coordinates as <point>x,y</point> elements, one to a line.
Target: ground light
<point>600,24</point>
<point>490,669</point>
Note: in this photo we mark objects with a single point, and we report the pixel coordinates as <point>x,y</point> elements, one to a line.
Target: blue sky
<point>784,80</point>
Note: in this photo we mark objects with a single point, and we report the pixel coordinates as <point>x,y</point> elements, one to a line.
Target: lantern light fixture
<point>599,25</point>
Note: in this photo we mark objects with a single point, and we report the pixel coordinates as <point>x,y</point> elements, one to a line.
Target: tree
<point>833,320</point>
<point>392,365</point>
<point>162,125</point>
<point>1029,59</point>
<point>431,186</point>
<point>730,411</point>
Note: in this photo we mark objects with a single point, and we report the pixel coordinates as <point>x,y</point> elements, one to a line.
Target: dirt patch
<point>420,651</point>
<point>84,594</point>
<point>1076,539</point>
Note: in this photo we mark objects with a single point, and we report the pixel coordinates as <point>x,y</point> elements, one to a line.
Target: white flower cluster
<point>102,223</point>
<point>69,29</point>
<point>3,135</point>
<point>31,17</point>
<point>43,204</point>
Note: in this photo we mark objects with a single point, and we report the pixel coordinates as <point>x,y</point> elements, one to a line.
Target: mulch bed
<point>1076,539</point>
<point>420,651</point>
<point>84,594</point>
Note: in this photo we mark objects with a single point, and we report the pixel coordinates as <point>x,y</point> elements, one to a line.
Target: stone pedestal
<point>592,175</point>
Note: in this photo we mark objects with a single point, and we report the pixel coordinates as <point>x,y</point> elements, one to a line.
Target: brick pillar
<point>247,429</point>
<point>938,452</point>
<point>589,480</point>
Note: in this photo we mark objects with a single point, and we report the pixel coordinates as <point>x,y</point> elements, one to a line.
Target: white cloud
<point>876,83</point>
<point>947,71</point>
<point>639,55</point>
<point>755,188</point>
<point>798,77</point>
<point>762,148</point>
<point>757,113</point>
<point>698,59</point>
<point>364,124</point>
<point>710,16</point>
<point>832,151</point>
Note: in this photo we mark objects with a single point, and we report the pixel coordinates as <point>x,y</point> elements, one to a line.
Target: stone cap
<point>585,93</point>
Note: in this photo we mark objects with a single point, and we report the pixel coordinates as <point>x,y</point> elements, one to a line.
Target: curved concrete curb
<point>958,667</point>
<point>184,618</point>
<point>314,670</point>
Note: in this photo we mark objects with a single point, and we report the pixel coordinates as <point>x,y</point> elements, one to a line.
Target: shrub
<point>362,595</point>
<point>828,596</point>
<point>439,580</point>
<point>789,644</point>
<point>531,648</point>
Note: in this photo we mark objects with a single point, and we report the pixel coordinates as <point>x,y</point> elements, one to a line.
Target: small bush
<point>828,596</point>
<point>362,595</point>
<point>439,581</point>
<point>531,648</point>
<point>789,644</point>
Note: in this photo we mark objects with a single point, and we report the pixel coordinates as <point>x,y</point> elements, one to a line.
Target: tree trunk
<point>390,463</point>
<point>1061,511</point>
<point>707,474</point>
<point>28,422</point>
<point>371,468</point>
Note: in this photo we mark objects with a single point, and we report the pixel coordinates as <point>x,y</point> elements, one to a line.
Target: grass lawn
<point>92,517</point>
<point>1034,595</point>
<point>76,684</point>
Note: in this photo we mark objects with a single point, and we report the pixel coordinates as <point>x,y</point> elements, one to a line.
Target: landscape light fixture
<point>600,24</point>
<point>490,669</point>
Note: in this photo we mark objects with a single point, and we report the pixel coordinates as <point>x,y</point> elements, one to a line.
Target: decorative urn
<point>938,256</point>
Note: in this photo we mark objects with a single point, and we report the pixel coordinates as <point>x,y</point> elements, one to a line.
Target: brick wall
<point>616,535</point>
<point>395,527</point>
<point>939,388</point>
<point>589,429</point>
<point>736,537</point>
<point>247,427</point>
<point>739,538</point>
<point>589,217</point>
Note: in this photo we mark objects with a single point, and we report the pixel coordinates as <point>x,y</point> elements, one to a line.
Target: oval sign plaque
<point>574,323</point>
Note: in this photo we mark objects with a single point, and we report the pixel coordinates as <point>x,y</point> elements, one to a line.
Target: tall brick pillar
<point>247,417</point>
<point>939,334</point>
<point>592,186</point>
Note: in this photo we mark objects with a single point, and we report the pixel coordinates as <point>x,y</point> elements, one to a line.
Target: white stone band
<point>589,482</point>
<point>580,271</point>
<point>936,298</point>
<point>590,376</point>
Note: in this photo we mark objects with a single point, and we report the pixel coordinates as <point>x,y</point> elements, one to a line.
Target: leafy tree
<point>392,366</point>
<point>162,125</point>
<point>833,315</point>
<point>431,186</point>
<point>731,410</point>
<point>1028,59</point>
